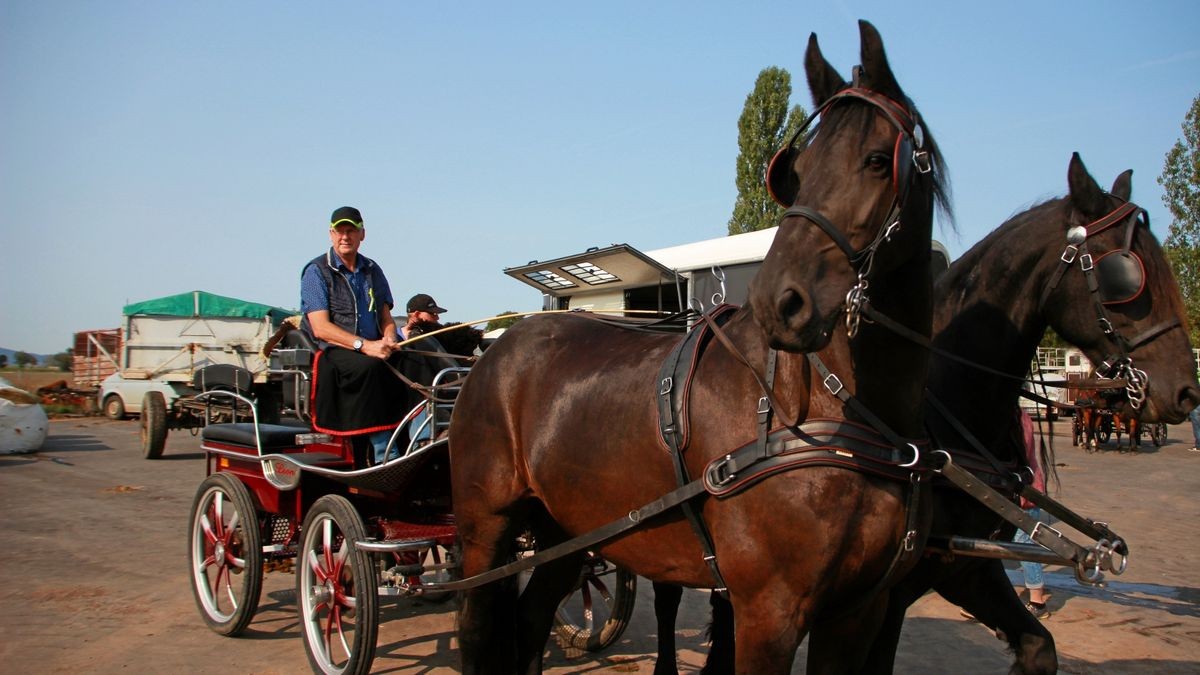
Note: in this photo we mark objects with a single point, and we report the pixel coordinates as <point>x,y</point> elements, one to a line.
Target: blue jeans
<point>1032,570</point>
<point>379,442</point>
<point>1194,416</point>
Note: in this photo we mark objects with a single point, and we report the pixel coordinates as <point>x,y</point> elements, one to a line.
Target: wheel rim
<point>219,561</point>
<point>328,603</point>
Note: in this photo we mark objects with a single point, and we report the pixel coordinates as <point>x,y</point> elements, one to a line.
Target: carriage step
<point>392,546</point>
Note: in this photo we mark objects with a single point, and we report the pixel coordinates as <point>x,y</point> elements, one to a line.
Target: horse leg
<point>721,655</point>
<point>548,585</point>
<point>985,591</point>
<point>838,645</point>
<point>769,631</point>
<point>486,615</point>
<point>666,610</point>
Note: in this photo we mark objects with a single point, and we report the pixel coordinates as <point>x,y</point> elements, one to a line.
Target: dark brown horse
<point>994,305</point>
<point>556,430</point>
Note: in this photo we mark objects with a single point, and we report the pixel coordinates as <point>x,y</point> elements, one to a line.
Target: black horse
<point>994,304</point>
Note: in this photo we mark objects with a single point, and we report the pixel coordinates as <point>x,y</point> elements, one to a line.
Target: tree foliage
<point>502,323</point>
<point>61,360</point>
<point>1181,194</point>
<point>765,125</point>
<point>23,359</point>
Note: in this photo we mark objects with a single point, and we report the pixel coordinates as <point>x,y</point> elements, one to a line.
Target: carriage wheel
<point>225,552</point>
<point>1104,432</point>
<point>596,613</point>
<point>1158,434</point>
<point>336,589</point>
<point>154,424</point>
<point>1077,429</point>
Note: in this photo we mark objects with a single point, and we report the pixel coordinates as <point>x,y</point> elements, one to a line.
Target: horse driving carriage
<point>281,496</point>
<point>1098,419</point>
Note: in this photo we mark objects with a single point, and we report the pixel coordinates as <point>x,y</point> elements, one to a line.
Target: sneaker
<point>1038,611</point>
<point>1193,449</point>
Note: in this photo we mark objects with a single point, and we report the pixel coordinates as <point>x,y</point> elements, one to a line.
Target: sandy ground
<point>94,565</point>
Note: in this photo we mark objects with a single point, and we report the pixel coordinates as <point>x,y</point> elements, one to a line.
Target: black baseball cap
<point>346,214</point>
<point>423,303</point>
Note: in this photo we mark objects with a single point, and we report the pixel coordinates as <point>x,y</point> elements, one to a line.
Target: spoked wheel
<point>596,613</point>
<point>225,552</point>
<point>1105,429</point>
<point>336,589</point>
<point>1077,429</point>
<point>1158,434</point>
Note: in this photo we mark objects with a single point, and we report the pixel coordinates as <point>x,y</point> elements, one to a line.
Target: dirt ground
<point>95,568</point>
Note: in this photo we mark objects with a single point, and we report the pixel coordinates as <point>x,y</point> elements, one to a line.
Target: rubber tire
<point>572,634</point>
<point>1158,434</point>
<point>154,424</point>
<point>210,596</point>
<point>114,407</point>
<point>1104,431</point>
<point>330,516</point>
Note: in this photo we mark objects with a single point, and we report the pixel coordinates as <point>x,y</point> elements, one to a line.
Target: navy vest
<point>343,308</point>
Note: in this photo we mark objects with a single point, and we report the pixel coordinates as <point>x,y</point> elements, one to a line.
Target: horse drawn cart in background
<point>280,497</point>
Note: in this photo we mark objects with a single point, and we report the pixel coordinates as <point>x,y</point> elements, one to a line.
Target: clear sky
<point>152,148</point>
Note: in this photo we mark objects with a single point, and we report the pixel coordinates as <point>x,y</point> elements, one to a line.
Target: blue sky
<point>152,148</point>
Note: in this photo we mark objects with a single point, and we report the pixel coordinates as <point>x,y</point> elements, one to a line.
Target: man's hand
<point>380,349</point>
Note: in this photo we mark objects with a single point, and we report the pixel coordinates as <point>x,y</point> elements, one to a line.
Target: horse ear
<point>877,74</point>
<point>782,182</point>
<point>823,78</point>
<point>1086,194</point>
<point>1123,186</point>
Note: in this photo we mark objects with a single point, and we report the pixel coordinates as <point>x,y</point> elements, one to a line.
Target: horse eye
<point>878,161</point>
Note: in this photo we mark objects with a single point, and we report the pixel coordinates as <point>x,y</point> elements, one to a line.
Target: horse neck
<point>988,313</point>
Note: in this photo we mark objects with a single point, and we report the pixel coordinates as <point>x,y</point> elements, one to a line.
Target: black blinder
<point>1121,275</point>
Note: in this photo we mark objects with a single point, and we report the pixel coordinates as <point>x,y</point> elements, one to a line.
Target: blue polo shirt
<point>314,296</point>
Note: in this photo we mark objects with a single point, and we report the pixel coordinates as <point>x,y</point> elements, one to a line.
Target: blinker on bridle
<point>1115,278</point>
<point>909,152</point>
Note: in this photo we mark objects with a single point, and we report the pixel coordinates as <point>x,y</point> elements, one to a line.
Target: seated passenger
<point>346,304</point>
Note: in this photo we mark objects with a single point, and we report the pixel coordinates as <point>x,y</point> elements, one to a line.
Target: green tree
<point>3,360</point>
<point>1181,194</point>
<point>502,323</point>
<point>23,359</point>
<point>765,125</point>
<point>62,360</point>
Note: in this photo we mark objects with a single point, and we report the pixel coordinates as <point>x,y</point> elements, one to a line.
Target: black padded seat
<point>275,437</point>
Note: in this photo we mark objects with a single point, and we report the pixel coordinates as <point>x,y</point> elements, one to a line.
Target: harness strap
<point>969,437</point>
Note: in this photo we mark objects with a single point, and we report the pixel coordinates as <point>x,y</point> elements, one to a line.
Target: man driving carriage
<point>346,304</point>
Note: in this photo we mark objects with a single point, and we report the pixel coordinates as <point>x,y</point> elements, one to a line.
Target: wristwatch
<point>358,345</point>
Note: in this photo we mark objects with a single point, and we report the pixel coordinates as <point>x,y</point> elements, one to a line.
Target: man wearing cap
<point>421,308</point>
<point>346,303</point>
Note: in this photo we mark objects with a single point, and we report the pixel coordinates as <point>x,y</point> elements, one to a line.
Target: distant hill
<point>12,356</point>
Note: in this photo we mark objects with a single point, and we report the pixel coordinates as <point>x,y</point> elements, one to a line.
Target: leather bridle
<point>1118,364</point>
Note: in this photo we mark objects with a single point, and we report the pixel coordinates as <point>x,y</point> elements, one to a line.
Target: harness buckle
<point>1085,262</point>
<point>666,386</point>
<point>720,475</point>
<point>1068,254</point>
<point>764,405</point>
<point>922,161</point>
<point>836,387</point>
<point>1105,325</point>
<point>910,539</point>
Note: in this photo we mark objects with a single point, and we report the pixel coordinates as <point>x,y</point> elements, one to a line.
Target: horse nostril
<point>792,304</point>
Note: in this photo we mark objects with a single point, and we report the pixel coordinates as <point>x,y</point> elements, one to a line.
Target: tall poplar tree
<point>1181,184</point>
<point>765,125</point>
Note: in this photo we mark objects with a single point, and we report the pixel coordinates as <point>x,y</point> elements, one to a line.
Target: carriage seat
<point>275,437</point>
<point>223,377</point>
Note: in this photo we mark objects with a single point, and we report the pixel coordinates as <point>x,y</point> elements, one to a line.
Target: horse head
<point>859,190</point>
<point>1112,293</point>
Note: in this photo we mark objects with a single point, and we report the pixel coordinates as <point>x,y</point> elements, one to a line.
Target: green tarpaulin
<point>199,303</point>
